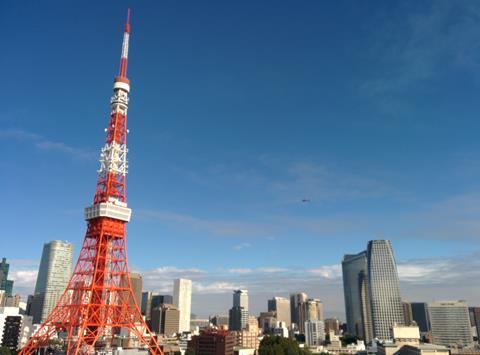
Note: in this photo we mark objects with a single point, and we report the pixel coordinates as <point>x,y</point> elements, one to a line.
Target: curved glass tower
<point>384,287</point>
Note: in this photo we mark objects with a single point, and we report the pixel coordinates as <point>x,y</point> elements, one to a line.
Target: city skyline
<point>375,177</point>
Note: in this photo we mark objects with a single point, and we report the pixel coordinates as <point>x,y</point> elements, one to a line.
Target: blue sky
<point>238,111</point>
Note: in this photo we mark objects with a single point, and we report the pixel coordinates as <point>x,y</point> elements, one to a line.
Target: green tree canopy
<point>275,345</point>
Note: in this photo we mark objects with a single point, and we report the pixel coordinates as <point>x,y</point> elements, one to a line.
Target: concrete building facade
<point>450,323</point>
<point>182,299</point>
<point>281,306</point>
<point>314,333</point>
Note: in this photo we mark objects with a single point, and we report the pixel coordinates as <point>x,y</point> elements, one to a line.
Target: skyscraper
<point>137,284</point>
<point>165,320</point>
<point>367,325</point>
<point>407,313</point>
<point>5,284</point>
<point>332,324</point>
<point>240,299</point>
<point>450,323</point>
<point>53,274</point>
<point>182,299</point>
<point>310,310</point>
<point>475,319</point>
<point>281,306</point>
<point>295,300</point>
<point>420,316</point>
<point>314,332</point>
<point>146,306</point>
<point>384,288</point>
<point>238,314</point>
<point>354,269</point>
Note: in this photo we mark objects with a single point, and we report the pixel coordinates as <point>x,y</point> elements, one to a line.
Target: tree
<point>275,345</point>
<point>5,351</point>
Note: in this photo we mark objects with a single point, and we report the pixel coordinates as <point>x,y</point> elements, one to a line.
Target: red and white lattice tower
<point>98,310</point>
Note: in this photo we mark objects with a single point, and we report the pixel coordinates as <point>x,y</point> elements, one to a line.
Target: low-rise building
<point>15,328</point>
<point>212,343</point>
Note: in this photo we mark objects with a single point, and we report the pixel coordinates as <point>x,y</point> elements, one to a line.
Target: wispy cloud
<point>415,49</point>
<point>45,144</point>
<point>456,217</point>
<point>242,246</point>
<point>216,227</point>
<point>421,280</point>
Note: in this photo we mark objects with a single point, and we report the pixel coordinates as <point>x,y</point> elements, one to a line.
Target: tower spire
<point>98,309</point>
<point>124,58</point>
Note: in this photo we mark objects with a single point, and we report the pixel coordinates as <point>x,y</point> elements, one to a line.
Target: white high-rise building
<point>53,275</point>
<point>384,289</point>
<point>182,299</point>
<point>314,332</point>
<point>240,299</point>
<point>450,323</point>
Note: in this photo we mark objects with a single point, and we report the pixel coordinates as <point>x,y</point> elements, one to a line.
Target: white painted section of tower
<point>125,45</point>
<point>182,299</point>
<point>113,159</point>
<point>108,209</point>
<point>121,85</point>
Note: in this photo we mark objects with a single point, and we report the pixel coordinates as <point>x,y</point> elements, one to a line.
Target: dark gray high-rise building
<point>475,319</point>
<point>365,306</point>
<point>146,306</point>
<point>296,299</point>
<point>237,318</point>
<point>420,316</point>
<point>158,300</point>
<point>5,284</point>
<point>165,320</point>
<point>352,267</point>
<point>150,301</point>
<point>384,288</point>
<point>356,293</point>
<point>238,314</point>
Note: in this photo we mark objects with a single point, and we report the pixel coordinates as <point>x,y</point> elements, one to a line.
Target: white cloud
<point>215,287</point>
<point>45,144</point>
<point>272,270</point>
<point>421,280</point>
<point>242,246</point>
<point>240,271</point>
<point>327,271</point>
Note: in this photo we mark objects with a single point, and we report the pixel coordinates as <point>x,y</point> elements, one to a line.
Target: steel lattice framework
<point>98,308</point>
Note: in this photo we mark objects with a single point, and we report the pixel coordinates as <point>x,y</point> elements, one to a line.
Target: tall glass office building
<point>53,275</point>
<point>352,267</point>
<point>384,288</point>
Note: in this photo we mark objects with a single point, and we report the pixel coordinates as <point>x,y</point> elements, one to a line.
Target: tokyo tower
<point>98,310</point>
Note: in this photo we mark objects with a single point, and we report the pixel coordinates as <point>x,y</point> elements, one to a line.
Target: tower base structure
<point>98,311</point>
